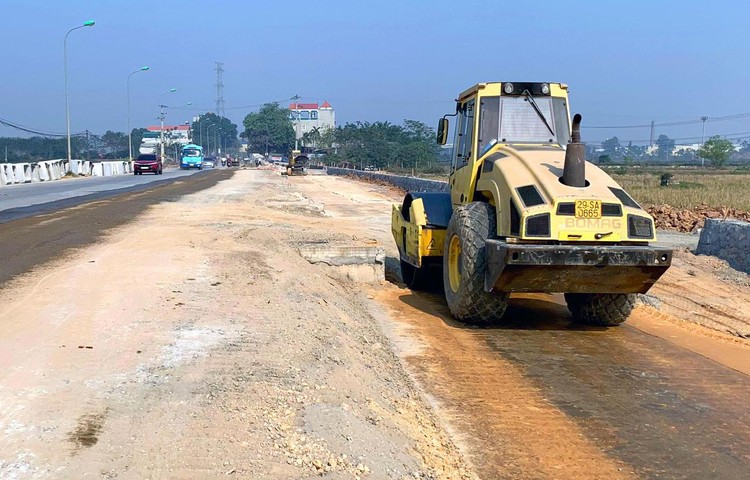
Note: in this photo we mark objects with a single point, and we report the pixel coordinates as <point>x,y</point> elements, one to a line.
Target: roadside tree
<point>716,150</point>
<point>666,145</point>
<point>116,144</point>
<point>226,130</point>
<point>269,129</point>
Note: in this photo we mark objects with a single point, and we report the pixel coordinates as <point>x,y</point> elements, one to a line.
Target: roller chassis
<point>518,267</point>
<point>527,216</point>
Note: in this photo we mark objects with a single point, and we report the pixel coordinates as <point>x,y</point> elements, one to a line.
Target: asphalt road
<point>33,240</point>
<point>25,200</point>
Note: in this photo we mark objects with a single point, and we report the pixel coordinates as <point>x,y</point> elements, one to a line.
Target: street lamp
<point>130,138</point>
<point>703,135</point>
<point>209,136</point>
<point>162,114</point>
<point>88,23</point>
<point>200,129</point>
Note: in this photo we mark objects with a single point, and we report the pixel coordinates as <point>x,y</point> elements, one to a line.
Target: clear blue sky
<point>626,62</point>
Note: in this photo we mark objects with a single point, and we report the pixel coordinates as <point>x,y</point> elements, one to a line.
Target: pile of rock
<point>668,217</point>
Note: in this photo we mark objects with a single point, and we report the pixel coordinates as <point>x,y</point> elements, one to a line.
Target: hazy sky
<point>627,62</point>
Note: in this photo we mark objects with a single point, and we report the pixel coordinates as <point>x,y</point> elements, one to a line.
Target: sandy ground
<point>502,417</point>
<point>195,342</point>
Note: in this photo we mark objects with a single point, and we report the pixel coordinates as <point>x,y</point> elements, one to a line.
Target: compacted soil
<point>180,334</point>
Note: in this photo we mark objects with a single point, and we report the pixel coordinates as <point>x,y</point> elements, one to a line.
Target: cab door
<point>463,154</point>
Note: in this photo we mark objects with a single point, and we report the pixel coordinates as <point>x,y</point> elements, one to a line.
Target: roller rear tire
<point>601,309</point>
<point>414,277</point>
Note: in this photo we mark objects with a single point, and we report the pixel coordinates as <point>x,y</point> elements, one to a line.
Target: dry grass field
<point>689,189</point>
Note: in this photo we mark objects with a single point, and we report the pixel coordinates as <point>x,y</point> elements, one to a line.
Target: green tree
<point>136,136</point>
<point>611,146</point>
<point>269,129</point>
<point>666,145</point>
<point>225,131</point>
<point>418,155</point>
<point>311,138</point>
<point>116,144</point>
<point>716,150</point>
<point>420,132</point>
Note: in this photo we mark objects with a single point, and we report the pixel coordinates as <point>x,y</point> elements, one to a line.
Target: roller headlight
<point>508,88</point>
<point>545,89</point>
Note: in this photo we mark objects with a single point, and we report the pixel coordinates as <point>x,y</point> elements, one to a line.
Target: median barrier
<point>725,239</point>
<point>49,170</point>
<point>411,184</point>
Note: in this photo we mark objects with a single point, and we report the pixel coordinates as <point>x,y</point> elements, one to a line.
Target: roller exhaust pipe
<point>574,171</point>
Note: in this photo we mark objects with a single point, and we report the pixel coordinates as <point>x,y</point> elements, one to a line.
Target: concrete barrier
<point>728,240</point>
<point>49,170</point>
<point>725,239</point>
<point>45,171</point>
<point>411,184</point>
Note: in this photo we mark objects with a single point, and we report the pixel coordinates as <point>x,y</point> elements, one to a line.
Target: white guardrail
<point>49,170</point>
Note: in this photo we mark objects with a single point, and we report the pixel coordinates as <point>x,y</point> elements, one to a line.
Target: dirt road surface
<point>182,336</point>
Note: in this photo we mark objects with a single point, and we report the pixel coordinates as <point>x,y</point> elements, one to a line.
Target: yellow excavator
<point>526,213</point>
<point>297,163</point>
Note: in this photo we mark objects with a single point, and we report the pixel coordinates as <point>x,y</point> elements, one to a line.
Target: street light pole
<point>162,114</point>
<point>703,136</point>
<point>200,129</point>
<point>88,23</point>
<point>208,129</point>
<point>130,134</point>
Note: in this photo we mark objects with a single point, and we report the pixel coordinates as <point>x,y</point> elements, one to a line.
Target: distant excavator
<point>297,163</point>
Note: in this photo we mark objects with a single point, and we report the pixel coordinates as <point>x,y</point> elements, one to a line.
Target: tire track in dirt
<point>510,428</point>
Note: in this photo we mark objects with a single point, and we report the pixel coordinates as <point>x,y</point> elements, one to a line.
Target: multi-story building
<point>173,134</point>
<point>309,116</point>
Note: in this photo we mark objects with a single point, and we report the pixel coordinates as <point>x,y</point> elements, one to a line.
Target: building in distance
<point>306,117</point>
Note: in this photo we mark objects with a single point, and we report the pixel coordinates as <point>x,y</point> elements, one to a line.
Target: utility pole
<point>219,89</point>
<point>297,122</point>
<point>651,137</point>
<point>703,136</point>
<point>162,114</point>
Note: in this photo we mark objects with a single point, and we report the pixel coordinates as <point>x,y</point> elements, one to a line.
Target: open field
<point>691,188</point>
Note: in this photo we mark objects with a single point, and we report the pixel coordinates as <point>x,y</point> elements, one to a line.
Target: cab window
<point>464,134</point>
<point>489,120</point>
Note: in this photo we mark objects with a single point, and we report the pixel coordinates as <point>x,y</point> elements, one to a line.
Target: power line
<point>14,125</point>
<point>240,107</point>
<point>735,116</point>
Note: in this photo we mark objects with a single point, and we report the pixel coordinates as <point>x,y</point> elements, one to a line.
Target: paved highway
<point>21,201</point>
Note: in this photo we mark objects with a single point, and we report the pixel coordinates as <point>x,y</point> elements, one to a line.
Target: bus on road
<point>192,157</point>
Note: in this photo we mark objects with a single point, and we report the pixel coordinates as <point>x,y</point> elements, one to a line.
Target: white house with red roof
<point>308,116</point>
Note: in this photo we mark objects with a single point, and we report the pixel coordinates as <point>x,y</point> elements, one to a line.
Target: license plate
<point>588,209</point>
